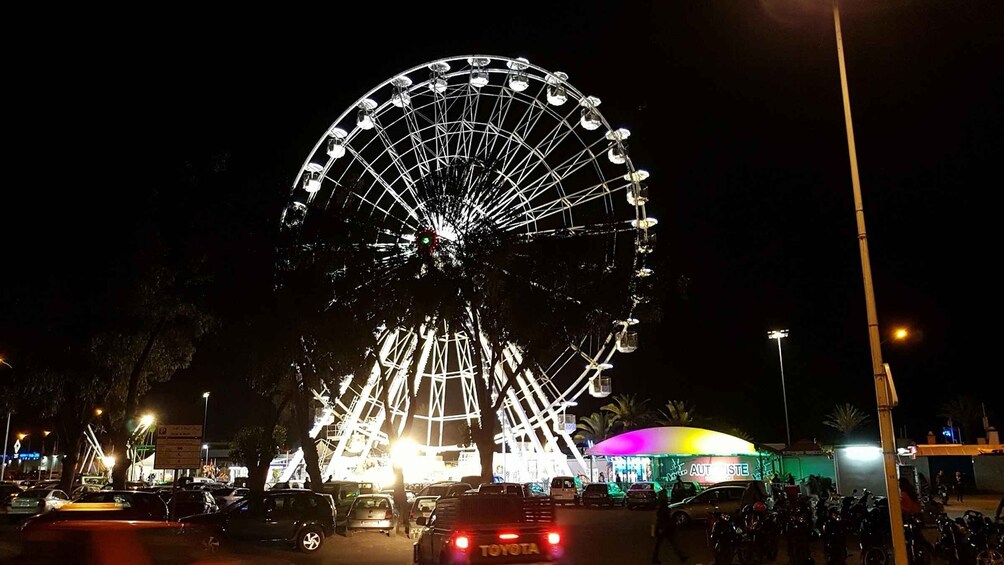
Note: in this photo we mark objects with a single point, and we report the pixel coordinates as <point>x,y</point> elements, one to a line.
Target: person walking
<point>958,486</point>
<point>306,483</point>
<point>664,529</point>
<point>941,487</point>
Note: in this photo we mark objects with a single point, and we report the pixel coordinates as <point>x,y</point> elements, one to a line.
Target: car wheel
<point>211,542</point>
<point>681,519</point>
<point>310,540</point>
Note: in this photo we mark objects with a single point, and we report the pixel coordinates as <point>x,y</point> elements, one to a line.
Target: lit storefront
<point>694,454</point>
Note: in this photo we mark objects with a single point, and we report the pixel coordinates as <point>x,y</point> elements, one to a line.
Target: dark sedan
<point>643,495</point>
<point>294,516</point>
<point>603,494</point>
<point>189,502</point>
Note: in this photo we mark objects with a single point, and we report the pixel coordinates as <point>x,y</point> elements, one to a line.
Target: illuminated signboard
<point>715,469</point>
<point>33,456</point>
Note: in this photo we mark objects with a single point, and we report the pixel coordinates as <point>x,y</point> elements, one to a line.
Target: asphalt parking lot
<point>593,536</point>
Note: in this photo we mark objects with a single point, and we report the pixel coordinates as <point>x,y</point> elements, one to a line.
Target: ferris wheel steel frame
<point>349,426</point>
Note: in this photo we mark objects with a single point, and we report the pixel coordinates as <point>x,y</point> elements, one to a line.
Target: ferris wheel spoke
<point>393,154</point>
<point>562,204</point>
<point>535,110</point>
<point>549,140</point>
<point>386,186</point>
<point>528,192</point>
<point>417,143</point>
<point>500,108</point>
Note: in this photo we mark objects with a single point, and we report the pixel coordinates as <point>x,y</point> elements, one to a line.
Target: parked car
<point>643,494</point>
<point>374,512</point>
<point>189,502</point>
<point>408,494</point>
<point>445,488</point>
<point>503,488</point>
<point>486,529</point>
<point>603,494</point>
<point>682,490</point>
<point>534,489</point>
<point>343,493</point>
<point>716,499</point>
<point>82,490</point>
<point>8,492</point>
<point>36,501</point>
<point>422,506</point>
<point>298,517</point>
<point>566,490</point>
<point>106,505</point>
<point>227,496</point>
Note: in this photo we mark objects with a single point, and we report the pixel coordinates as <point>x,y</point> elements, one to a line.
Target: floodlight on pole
<point>779,335</point>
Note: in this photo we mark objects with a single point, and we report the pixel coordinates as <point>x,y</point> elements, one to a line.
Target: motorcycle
<point>918,550</point>
<point>874,534</point>
<point>984,538</point>
<point>953,541</point>
<point>723,536</point>
<point>834,530</point>
<point>757,529</point>
<point>798,532</point>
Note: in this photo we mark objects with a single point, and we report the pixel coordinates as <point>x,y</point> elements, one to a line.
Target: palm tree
<point>846,418</point>
<point>596,427</point>
<point>677,413</point>
<point>965,412</point>
<point>630,412</point>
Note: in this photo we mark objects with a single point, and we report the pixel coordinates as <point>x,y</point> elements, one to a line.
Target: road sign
<point>189,431</point>
<point>178,447</point>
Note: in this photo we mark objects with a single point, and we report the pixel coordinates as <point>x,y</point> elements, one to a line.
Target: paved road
<point>592,536</point>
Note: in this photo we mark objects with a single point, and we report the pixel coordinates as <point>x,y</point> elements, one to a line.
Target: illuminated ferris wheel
<point>563,181</point>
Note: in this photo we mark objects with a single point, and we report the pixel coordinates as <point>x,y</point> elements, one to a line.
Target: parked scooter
<point>874,533</point>
<point>724,537</point>
<point>834,530</point>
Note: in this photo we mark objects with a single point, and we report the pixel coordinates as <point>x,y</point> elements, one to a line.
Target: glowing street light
<point>98,412</point>
<point>146,420</point>
<point>779,335</point>
<point>900,334</point>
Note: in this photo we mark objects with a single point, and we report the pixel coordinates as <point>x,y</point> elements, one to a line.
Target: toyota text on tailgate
<point>479,529</point>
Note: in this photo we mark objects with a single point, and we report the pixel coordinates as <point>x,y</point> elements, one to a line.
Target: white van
<point>566,490</point>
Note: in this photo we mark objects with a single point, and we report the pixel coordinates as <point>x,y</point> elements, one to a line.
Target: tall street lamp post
<point>205,419</point>
<point>779,335</point>
<point>6,434</point>
<point>883,391</point>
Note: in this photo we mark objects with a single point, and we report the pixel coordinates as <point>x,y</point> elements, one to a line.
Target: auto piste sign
<point>178,447</point>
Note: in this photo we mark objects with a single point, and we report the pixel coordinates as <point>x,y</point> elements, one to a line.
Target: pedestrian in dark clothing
<point>664,529</point>
<point>306,483</point>
<point>618,481</point>
<point>958,486</point>
<point>791,479</point>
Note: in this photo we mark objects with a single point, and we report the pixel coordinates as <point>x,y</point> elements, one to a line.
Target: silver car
<point>37,501</point>
<point>374,512</point>
<point>422,507</point>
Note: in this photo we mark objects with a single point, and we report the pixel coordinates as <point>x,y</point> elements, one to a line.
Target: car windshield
<point>33,494</point>
<point>191,497</point>
<point>596,487</point>
<point>224,492</point>
<point>641,486</point>
<point>437,490</point>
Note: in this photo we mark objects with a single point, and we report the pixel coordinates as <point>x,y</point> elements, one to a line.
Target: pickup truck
<point>481,529</point>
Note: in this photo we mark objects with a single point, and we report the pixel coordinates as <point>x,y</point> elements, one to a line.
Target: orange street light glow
<point>901,333</point>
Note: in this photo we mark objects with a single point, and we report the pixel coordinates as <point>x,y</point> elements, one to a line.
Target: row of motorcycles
<point>754,534</point>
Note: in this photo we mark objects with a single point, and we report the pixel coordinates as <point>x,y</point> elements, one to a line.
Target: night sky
<point>734,108</point>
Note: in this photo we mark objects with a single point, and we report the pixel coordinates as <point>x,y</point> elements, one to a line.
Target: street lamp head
<point>146,420</point>
<point>45,433</point>
<point>21,436</point>
<point>900,334</point>
<point>777,334</point>
<point>205,395</point>
<point>98,411</point>
<point>205,446</point>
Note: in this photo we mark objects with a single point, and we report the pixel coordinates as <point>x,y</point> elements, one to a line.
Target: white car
<point>37,501</point>
<point>227,496</point>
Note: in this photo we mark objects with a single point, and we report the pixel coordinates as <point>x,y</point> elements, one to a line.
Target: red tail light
<point>553,538</point>
<point>508,536</point>
<point>461,542</point>
<point>411,516</point>
<point>389,515</point>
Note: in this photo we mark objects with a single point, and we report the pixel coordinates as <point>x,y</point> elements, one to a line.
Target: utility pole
<point>883,392</point>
